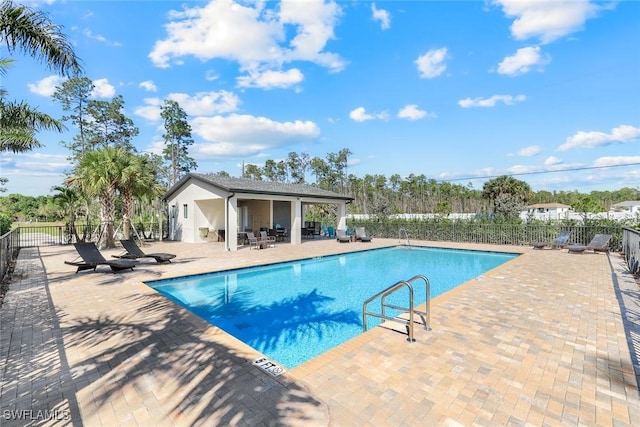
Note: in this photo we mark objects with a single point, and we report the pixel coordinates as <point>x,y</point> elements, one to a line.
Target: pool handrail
<point>406,235</point>
<point>426,320</point>
<point>426,315</point>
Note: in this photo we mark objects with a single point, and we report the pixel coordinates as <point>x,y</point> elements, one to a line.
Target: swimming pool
<point>294,311</point>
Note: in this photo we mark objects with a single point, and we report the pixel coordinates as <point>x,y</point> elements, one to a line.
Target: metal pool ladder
<point>424,315</point>
<point>406,235</point>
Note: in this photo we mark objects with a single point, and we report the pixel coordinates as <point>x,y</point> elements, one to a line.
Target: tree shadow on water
<point>284,322</point>
<point>180,371</point>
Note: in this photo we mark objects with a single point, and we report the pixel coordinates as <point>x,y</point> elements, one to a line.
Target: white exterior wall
<point>197,196</point>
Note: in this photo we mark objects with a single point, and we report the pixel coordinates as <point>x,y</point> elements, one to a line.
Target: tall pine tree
<point>177,139</point>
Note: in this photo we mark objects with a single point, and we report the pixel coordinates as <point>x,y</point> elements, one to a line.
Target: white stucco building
<point>228,206</point>
<point>631,207</point>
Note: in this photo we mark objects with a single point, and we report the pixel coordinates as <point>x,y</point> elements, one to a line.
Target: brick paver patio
<point>549,338</point>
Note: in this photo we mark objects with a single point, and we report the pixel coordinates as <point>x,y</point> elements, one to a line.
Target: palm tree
<point>69,201</point>
<point>507,195</point>
<point>138,180</point>
<point>100,174</point>
<point>32,32</point>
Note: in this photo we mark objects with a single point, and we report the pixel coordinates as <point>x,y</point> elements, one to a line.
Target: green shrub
<point>5,223</point>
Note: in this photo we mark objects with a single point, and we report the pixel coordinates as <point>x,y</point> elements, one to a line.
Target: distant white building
<point>548,211</point>
<point>630,207</point>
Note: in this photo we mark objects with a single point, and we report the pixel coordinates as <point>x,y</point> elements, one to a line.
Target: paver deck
<point>549,338</point>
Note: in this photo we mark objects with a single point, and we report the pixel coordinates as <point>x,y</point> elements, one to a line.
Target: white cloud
<point>315,20</point>
<point>237,134</point>
<point>271,79</point>
<point>211,75</point>
<point>46,86</point>
<point>520,169</point>
<point>432,63</point>
<point>89,34</point>
<point>529,151</point>
<point>552,161</point>
<point>102,89</point>
<point>200,104</point>
<point>360,115</point>
<point>17,164</point>
<point>547,20</point>
<point>616,160</point>
<point>207,103</point>
<point>412,112</point>
<point>522,61</point>
<point>491,102</point>
<point>148,85</point>
<point>254,36</point>
<point>472,174</point>
<point>622,134</point>
<point>151,109</point>
<point>156,147</point>
<point>381,15</point>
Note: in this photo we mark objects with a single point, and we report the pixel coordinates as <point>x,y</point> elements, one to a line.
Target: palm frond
<point>31,31</point>
<point>21,115</point>
<point>17,140</point>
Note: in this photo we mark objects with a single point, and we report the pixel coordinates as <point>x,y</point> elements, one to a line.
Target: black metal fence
<point>52,235</point>
<point>8,251</point>
<point>490,233</point>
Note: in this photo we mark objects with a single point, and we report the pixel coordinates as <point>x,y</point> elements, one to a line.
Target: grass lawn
<point>51,228</point>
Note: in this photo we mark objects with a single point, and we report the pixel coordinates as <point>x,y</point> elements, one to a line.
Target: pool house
<point>204,207</point>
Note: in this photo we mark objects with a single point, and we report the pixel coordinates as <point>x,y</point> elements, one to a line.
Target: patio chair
<point>599,243</point>
<point>560,242</point>
<point>269,240</point>
<point>254,243</point>
<point>331,232</point>
<point>281,233</point>
<point>362,235</point>
<point>341,236</point>
<point>92,257</point>
<point>133,251</point>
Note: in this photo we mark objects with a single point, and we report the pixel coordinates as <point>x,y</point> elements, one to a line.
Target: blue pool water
<point>294,311</point>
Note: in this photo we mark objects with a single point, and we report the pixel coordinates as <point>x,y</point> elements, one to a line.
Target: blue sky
<point>454,90</point>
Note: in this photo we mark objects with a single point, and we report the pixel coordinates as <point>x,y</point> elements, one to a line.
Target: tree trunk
<point>126,214</point>
<point>108,214</point>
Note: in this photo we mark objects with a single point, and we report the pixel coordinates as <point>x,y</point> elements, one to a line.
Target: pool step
<point>402,323</point>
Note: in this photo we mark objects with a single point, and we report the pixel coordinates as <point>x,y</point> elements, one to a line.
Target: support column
<point>296,222</point>
<point>231,224</point>
<point>342,215</point>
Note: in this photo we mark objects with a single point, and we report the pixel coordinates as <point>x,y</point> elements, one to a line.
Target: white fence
<point>546,216</point>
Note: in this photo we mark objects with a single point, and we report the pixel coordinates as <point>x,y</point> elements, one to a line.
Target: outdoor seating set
<point>90,257</point>
<point>360,235</point>
<point>263,242</point>
<point>599,243</point>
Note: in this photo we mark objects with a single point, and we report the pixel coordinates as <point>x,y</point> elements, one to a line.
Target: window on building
<point>185,210</point>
